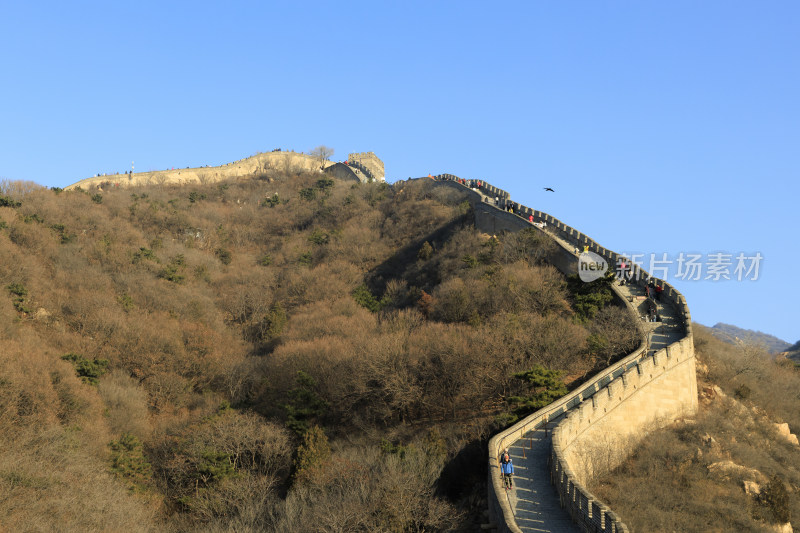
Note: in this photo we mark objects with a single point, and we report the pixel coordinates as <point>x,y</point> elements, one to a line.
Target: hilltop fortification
<point>369,164</point>
<point>366,166</point>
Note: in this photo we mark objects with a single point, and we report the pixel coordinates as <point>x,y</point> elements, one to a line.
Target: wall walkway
<point>594,427</point>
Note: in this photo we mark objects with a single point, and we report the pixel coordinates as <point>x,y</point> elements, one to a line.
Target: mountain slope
<point>265,354</point>
<point>794,352</point>
<point>732,334</point>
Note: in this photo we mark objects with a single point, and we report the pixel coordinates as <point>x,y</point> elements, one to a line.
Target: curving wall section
<point>342,172</point>
<point>366,171</point>
<point>603,418</point>
<point>597,434</point>
<point>243,168</point>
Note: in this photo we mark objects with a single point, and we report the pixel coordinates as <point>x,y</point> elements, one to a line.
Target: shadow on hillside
<point>465,473</point>
<point>405,263</point>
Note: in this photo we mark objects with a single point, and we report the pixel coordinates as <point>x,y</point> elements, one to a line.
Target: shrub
<point>305,259</point>
<point>470,261</point>
<point>195,196</point>
<point>425,251</point>
<point>388,447</point>
<point>742,392</point>
<point>214,466</point>
<point>174,271</point>
<point>776,498</point>
<point>33,218</point>
<point>312,454</point>
<point>319,237</point>
<point>62,232</point>
<point>325,184</point>
<point>269,328</point>
<point>590,298</point>
<point>224,256</point>
<point>19,297</point>
<point>487,256</point>
<point>425,303</point>
<point>97,198</point>
<point>547,386</point>
<point>126,301</point>
<point>365,299</point>
<point>454,302</point>
<point>5,201</point>
<point>17,289</point>
<point>144,253</point>
<point>272,201</point>
<point>129,462</point>
<point>89,370</point>
<point>305,404</point>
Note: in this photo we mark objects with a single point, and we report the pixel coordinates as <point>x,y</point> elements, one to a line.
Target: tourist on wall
<point>507,468</point>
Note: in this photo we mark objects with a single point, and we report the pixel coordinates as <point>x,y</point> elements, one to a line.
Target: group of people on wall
<point>501,203</point>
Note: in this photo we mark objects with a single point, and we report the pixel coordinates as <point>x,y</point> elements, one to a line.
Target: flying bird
<point>549,189</point>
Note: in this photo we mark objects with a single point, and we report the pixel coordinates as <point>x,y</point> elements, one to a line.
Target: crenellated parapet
<point>597,435</point>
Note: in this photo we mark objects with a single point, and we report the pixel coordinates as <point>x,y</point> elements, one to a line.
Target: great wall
<point>362,166</point>
<point>594,427</point>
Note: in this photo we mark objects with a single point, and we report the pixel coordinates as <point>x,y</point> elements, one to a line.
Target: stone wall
<point>611,411</point>
<point>666,381</point>
<point>597,434</point>
<point>369,163</point>
<point>243,168</point>
<point>365,164</point>
<point>342,172</point>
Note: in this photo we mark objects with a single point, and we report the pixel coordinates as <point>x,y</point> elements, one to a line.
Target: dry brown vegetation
<point>290,353</point>
<point>691,476</point>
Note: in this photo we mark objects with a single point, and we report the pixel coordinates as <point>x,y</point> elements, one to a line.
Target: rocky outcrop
<point>786,434</point>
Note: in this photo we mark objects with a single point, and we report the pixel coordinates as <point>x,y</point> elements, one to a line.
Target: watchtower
<point>369,164</point>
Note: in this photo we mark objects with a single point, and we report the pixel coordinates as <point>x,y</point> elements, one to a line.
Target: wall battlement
<point>368,163</point>
<point>611,411</point>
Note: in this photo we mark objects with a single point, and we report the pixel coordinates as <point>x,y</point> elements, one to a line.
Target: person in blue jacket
<point>507,468</point>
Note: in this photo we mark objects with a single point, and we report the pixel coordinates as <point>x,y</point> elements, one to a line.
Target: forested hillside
<point>288,353</point>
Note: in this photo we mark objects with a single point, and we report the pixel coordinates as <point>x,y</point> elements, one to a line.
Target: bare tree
<point>18,189</point>
<point>323,153</point>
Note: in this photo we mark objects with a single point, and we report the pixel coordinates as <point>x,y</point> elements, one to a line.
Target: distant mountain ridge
<point>731,334</point>
<point>794,352</point>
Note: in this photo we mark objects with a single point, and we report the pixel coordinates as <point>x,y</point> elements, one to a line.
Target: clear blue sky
<point>664,127</point>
